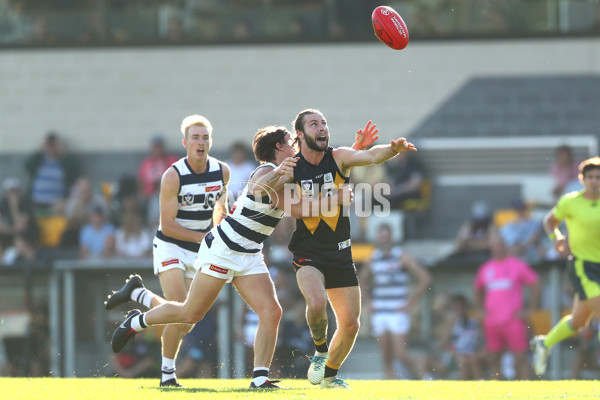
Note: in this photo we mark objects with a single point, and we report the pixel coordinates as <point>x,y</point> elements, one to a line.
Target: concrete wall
<point>114,99</point>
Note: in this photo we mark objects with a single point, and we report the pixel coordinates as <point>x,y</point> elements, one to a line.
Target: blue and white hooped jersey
<point>198,194</point>
<point>250,221</point>
<point>390,281</point>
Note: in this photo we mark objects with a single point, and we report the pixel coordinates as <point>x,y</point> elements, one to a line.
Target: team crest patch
<point>328,178</point>
<point>307,189</point>
<point>169,262</point>
<point>188,199</point>
<point>220,270</point>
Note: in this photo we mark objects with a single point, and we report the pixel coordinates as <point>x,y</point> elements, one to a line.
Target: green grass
<point>200,389</point>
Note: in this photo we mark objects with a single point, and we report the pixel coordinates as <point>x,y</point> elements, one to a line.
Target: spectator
<point>498,294</point>
<point>132,239</point>
<point>150,173</point>
<point>461,338</point>
<point>240,166</point>
<point>385,281</point>
<point>522,236</point>
<point>79,205</point>
<point>405,176</point>
<point>18,230</point>
<point>52,172</point>
<point>565,172</point>
<point>96,238</point>
<point>473,238</point>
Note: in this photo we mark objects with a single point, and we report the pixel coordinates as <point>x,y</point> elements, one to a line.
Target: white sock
<point>142,296</point>
<point>263,375</point>
<point>168,368</point>
<point>325,355</point>
<point>138,323</point>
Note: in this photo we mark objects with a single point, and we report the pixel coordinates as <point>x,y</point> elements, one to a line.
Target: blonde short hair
<point>195,120</point>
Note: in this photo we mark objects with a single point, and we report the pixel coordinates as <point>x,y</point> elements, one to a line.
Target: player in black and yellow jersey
<point>321,243</point>
<point>581,211</point>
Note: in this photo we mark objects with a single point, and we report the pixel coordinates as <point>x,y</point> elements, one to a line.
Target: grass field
<point>200,389</point>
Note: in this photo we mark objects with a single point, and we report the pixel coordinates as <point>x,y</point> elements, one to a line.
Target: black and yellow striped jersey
<point>322,238</point>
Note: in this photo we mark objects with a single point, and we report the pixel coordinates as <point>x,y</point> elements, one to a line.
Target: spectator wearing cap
<point>52,172</point>
<point>522,236</point>
<point>150,173</point>
<point>97,237</point>
<point>18,231</point>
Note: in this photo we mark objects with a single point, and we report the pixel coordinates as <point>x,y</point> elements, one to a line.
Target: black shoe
<point>267,385</point>
<point>124,332</point>
<point>124,294</point>
<point>171,383</point>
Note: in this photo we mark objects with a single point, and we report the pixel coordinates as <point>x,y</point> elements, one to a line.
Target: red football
<point>389,27</point>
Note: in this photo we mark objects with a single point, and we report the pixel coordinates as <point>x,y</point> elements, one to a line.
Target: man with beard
<point>321,243</point>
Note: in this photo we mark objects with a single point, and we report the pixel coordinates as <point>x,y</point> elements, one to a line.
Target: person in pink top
<point>498,292</point>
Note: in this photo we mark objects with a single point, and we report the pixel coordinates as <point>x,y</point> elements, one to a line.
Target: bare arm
<point>169,187</point>
<point>348,158</point>
<point>419,272</point>
<point>221,207</point>
<point>551,223</point>
<point>269,180</point>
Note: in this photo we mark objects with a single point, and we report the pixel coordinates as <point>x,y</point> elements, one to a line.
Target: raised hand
<point>366,136</point>
<point>287,167</point>
<point>401,145</point>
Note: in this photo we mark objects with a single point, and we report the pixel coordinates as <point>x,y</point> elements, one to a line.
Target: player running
<point>193,196</point>
<point>232,252</point>
<point>321,244</point>
<point>581,211</point>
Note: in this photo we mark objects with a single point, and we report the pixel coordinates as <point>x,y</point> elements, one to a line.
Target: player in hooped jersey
<point>321,244</point>
<point>231,251</point>
<point>193,197</point>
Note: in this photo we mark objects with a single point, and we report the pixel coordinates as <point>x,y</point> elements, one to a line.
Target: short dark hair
<point>588,165</point>
<point>265,141</point>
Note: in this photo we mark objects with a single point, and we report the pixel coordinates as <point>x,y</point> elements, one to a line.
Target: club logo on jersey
<point>220,270</point>
<point>343,245</point>
<point>188,199</point>
<point>307,188</point>
<point>328,178</point>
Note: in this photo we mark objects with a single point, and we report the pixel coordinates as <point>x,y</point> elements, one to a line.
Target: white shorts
<point>168,256</point>
<point>222,262</point>
<point>397,323</point>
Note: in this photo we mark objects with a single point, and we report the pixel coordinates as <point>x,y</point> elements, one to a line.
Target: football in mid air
<point>389,27</point>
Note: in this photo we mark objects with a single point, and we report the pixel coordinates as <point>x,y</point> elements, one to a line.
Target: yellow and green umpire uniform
<point>582,217</point>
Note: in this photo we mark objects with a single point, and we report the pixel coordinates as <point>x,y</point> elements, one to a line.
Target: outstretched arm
<point>347,158</point>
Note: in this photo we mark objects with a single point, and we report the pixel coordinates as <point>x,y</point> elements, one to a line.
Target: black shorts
<point>336,275</point>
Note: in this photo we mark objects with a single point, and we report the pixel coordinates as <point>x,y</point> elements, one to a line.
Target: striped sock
<point>321,346</point>
<point>142,296</point>
<point>167,369</point>
<point>138,323</point>
<point>331,370</point>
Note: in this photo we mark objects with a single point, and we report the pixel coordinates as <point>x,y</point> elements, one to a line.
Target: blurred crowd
<point>62,212</point>
<point>70,22</point>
